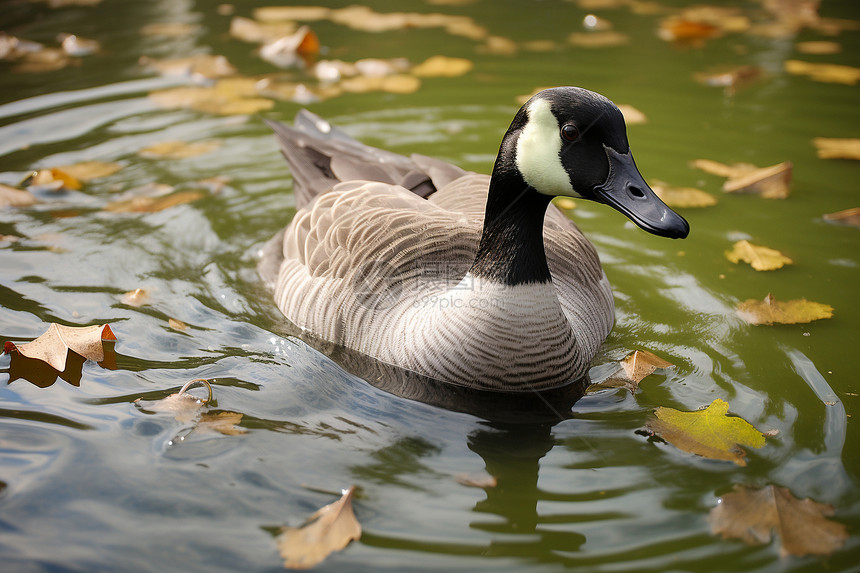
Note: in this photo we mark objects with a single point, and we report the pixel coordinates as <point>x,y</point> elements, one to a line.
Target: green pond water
<point>91,482</point>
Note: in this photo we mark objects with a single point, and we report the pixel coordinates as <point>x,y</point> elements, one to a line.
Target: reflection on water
<point>90,482</point>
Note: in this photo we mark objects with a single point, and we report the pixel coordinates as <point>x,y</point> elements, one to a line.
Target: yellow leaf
<point>632,116</point>
<point>683,197</point>
<point>176,324</point>
<point>709,432</point>
<point>769,182</point>
<point>330,529</point>
<point>818,47</point>
<point>850,217</point>
<point>830,73</point>
<point>442,66</point>
<point>771,311</point>
<point>760,258</point>
<point>178,149</point>
<point>752,514</point>
<point>291,13</point>
<point>88,170</point>
<point>498,45</point>
<point>836,148</point>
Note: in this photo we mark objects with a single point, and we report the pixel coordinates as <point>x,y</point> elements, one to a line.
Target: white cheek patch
<point>538,152</point>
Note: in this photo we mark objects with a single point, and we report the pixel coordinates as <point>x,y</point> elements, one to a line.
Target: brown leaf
<point>685,31</point>
<point>54,345</point>
<point>837,148</point>
<point>731,79</point>
<point>632,369</point>
<point>256,32</point>
<point>752,514</point>
<point>771,311</point>
<point>770,182</point>
<point>178,149</point>
<point>760,258</point>
<point>88,170</point>
<point>54,179</point>
<point>210,99</point>
<point>608,39</point>
<point>828,73</point>
<point>709,432</point>
<point>818,48</point>
<point>220,422</point>
<point>632,116</point>
<point>169,29</point>
<point>683,197</point>
<point>850,217</point>
<point>479,481</point>
<point>184,406</point>
<point>176,324</point>
<point>202,65</point>
<point>11,197</point>
<point>442,66</point>
<point>291,50</point>
<point>330,529</point>
<point>78,46</point>
<point>291,13</point>
<point>153,204</point>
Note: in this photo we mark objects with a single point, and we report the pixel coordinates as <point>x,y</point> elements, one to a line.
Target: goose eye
<point>570,132</point>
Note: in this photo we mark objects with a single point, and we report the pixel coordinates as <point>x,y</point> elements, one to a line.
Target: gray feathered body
<point>377,260</point>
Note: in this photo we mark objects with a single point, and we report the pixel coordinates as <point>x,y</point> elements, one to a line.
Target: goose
<point>468,279</point>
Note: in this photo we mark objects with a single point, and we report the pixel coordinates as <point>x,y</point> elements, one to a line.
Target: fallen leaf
<point>396,84</point>
<point>176,324</point>
<point>442,66</point>
<point>178,149</point>
<point>52,179</point>
<point>291,13</point>
<point>770,182</point>
<point>683,197</point>
<point>12,197</point>
<point>608,39</point>
<point>730,79</point>
<point>184,406</point>
<point>837,148</point>
<point>684,31</point>
<point>210,99</point>
<point>44,60</point>
<point>760,258</point>
<point>818,48</point>
<point>169,29</point>
<point>88,170</point>
<point>256,32</point>
<point>829,73</point>
<point>709,432</point>
<point>330,529</point>
<point>632,369</point>
<point>771,311</point>
<point>136,297</point>
<point>78,46</point>
<point>632,116</point>
<point>291,50</point>
<point>499,46</point>
<point>205,66</point>
<point>54,345</point>
<point>751,515</point>
<point>153,204</point>
<point>480,481</point>
<point>850,217</point>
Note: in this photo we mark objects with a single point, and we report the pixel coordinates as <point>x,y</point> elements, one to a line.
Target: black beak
<point>626,191</point>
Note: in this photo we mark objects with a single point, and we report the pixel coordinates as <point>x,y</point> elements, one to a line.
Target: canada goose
<point>468,279</point>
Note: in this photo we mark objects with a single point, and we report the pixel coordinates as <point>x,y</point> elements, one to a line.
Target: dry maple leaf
<point>683,197</point>
<point>770,182</point>
<point>709,432</point>
<point>760,258</point>
<point>633,369</point>
<point>54,345</point>
<point>330,529</point>
<point>771,311</point>
<point>752,514</point>
<point>837,148</point>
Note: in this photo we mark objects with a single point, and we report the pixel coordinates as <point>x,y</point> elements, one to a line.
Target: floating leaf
<point>210,99</point>
<point>771,311</point>
<point>255,32</point>
<point>52,179</point>
<point>760,258</point>
<point>206,66</point>
<point>169,29</point>
<point>608,39</point>
<point>54,345</point>
<point>683,197</point>
<point>12,197</point>
<point>88,170</point>
<point>176,324</point>
<point>225,423</point>
<point>330,529</point>
<point>818,48</point>
<point>731,79</point>
<point>850,217</point>
<point>178,149</point>
<point>751,515</point>
<point>632,116</point>
<point>829,73</point>
<point>632,369</point>
<point>498,45</point>
<point>153,204</point>
<point>837,148</point>
<point>78,46</point>
<point>480,481</point>
<point>184,406</point>
<point>291,50</point>
<point>442,66</point>
<point>44,60</point>
<point>770,182</point>
<point>709,432</point>
<point>291,13</point>
<point>136,297</point>
<point>684,31</point>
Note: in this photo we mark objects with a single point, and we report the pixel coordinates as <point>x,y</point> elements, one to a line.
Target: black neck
<point>511,250</point>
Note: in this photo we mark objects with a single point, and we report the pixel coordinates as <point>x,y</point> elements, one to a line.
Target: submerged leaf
<point>54,345</point>
<point>330,529</point>
<point>709,432</point>
<point>760,258</point>
<point>837,148</point>
<point>771,311</point>
<point>631,370</point>
<point>752,514</point>
<point>225,423</point>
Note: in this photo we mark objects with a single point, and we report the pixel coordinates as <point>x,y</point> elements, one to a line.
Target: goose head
<point>572,142</point>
